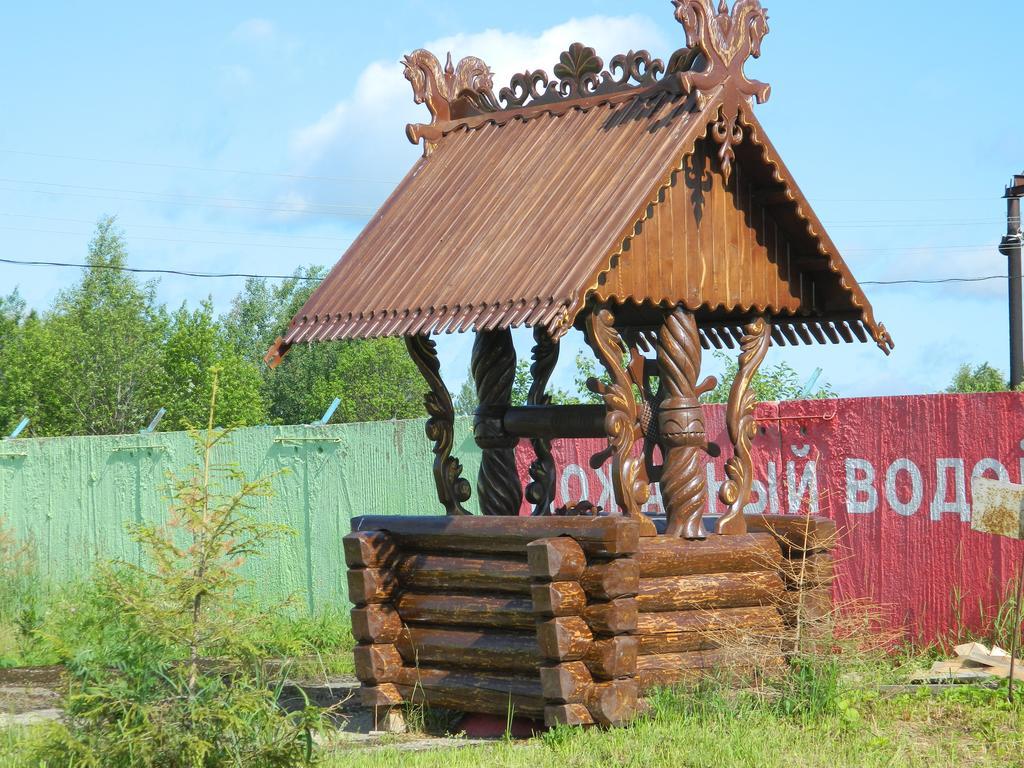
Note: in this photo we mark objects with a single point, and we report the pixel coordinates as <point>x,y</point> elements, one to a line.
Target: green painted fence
<point>73,495</point>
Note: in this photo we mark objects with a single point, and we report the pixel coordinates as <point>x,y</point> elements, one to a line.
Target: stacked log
<point>372,587</point>
<point>707,604</point>
<point>571,619</point>
<point>808,571</point>
<point>586,614</point>
<point>459,625</point>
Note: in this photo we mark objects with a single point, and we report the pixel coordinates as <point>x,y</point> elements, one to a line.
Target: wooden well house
<point>644,205</point>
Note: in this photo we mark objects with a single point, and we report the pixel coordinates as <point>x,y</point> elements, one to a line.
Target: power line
<point>189,273</point>
<point>937,281</point>
<point>172,166</point>
<point>141,270</point>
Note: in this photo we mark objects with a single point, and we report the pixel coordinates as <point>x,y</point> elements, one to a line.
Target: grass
<point>714,728</point>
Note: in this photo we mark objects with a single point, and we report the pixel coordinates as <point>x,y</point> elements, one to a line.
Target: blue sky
<point>259,136</point>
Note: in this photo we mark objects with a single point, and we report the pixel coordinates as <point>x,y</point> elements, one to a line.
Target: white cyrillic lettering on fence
<point>990,465</point>
<point>808,485</point>
<point>861,495</point>
<point>604,477</point>
<point>713,485</point>
<point>911,506</point>
<point>940,504</point>
<point>571,471</point>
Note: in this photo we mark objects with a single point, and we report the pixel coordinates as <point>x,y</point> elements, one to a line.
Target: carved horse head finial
<point>437,87</point>
<point>727,41</point>
<point>440,88</point>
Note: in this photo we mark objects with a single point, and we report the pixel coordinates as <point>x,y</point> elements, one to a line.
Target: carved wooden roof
<point>647,184</point>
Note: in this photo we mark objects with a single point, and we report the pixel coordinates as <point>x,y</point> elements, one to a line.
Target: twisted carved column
<point>681,425</point>
<point>735,491</point>
<point>622,422</point>
<point>541,492</point>
<point>452,488</point>
<point>494,371</point>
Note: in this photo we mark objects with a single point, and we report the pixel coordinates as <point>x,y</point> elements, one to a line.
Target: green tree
<point>375,379</point>
<point>196,343</point>
<point>771,384</point>
<point>981,378</point>
<point>104,338</point>
<point>465,400</point>
<point>163,704</point>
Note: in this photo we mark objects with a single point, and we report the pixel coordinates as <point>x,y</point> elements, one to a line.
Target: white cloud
<point>363,136</point>
<point>255,30</point>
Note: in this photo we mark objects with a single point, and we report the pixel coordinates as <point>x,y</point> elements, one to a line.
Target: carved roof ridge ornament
<point>578,74</point>
<point>725,41</point>
<point>441,89</point>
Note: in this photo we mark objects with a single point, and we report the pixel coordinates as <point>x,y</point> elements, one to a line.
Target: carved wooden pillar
<point>735,491</point>
<point>622,424</point>
<point>681,425</point>
<point>541,492</point>
<point>494,371</point>
<point>452,488</point>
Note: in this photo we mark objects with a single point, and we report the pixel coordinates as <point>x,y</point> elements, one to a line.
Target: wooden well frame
<point>649,211</point>
<point>571,620</point>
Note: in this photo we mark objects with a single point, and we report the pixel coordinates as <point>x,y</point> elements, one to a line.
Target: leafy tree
<point>375,379</point>
<point>771,384</point>
<point>196,343</point>
<point>465,400</point>
<point>262,311</point>
<point>104,337</point>
<point>981,378</point>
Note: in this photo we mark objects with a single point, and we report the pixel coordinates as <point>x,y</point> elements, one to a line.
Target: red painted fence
<point>894,473</point>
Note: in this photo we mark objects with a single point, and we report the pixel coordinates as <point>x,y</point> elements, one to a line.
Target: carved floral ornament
<point>718,45</point>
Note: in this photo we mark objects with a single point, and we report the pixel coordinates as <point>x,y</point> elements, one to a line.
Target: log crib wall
<point>569,620</point>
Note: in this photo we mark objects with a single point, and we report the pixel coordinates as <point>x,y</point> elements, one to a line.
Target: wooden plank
<point>473,692</point>
<point>798,533</point>
<point>376,624</point>
<point>472,574</point>
<point>566,638</point>
<point>809,606</point>
<point>484,650</point>
<point>371,585</point>
<point>615,578</point>
<point>502,612</point>
<point>613,703</point>
<point>671,668</point>
<point>717,590</point>
<point>386,695</point>
<point>377,664</point>
<point>372,549</point>
<point>612,657</point>
<point>600,536</point>
<point>670,556</point>
<point>567,714</point>
<point>559,559</point>
<point>615,617</point>
<point>560,598</point>
<point>566,683</point>
<point>683,631</point>
<point>815,570</point>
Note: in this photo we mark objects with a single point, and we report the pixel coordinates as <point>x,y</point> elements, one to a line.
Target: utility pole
<point>1010,247</point>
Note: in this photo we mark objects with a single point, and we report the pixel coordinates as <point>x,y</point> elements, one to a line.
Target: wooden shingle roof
<point>648,185</point>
